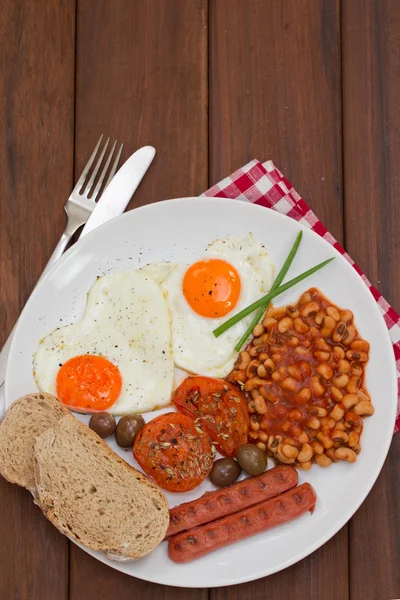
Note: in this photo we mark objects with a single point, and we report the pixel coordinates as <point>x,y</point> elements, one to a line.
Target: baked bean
<point>341,381</point>
<point>321,344</point>
<point>305,343</point>
<point>258,330</point>
<point>325,440</point>
<point>253,352</point>
<point>339,436</point>
<point>240,376</point>
<point>296,430</point>
<point>252,384</point>
<point>244,361</point>
<point>306,466</point>
<point>292,311</point>
<point>316,385</point>
<point>300,326</point>
<point>306,297</point>
<point>356,355</point>
<point>353,439</point>
<point>336,394</point>
<point>361,345</point>
<point>289,383</point>
<point>257,341</point>
<point>293,341</point>
<point>265,424</point>
<point>317,447</point>
<point>287,426</point>
<point>269,364</point>
<point>330,453</point>
<point>337,413</point>
<point>344,366</point>
<point>261,371</point>
<point>346,316</point>
<point>251,407</point>
<point>301,351</point>
<point>350,400</point>
<point>328,325</point>
<point>260,405</point>
<point>323,460</point>
<point>254,423</point>
<point>268,395</point>
<point>328,423</point>
<point>276,357</point>
<point>357,448</point>
<point>253,435</point>
<point>295,372</point>
<point>325,370</point>
<point>295,414</point>
<point>322,356</point>
<point>289,451</point>
<point>364,408</point>
<point>254,394</point>
<point>309,309</point>
<point>263,437</point>
<point>354,384</point>
<point>339,332</point>
<point>305,454</point>
<point>356,369</point>
<point>339,351</point>
<point>345,454</point>
<point>349,335</point>
<point>285,324</point>
<point>278,311</point>
<point>303,395</point>
<point>262,357</point>
<point>262,446</point>
<point>363,396</point>
<point>318,411</point>
<point>273,442</point>
<point>269,323</point>
<point>319,317</point>
<point>358,429</point>
<point>277,376</point>
<point>313,423</point>
<point>339,425</point>
<point>333,312</point>
<point>303,438</point>
<point>265,338</point>
<point>252,368</point>
<point>352,420</point>
<point>305,368</point>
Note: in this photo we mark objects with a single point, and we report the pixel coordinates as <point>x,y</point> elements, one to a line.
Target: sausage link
<point>202,540</point>
<point>238,496</point>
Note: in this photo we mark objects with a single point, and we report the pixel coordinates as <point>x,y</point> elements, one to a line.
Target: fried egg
<point>233,273</point>
<point>118,358</point>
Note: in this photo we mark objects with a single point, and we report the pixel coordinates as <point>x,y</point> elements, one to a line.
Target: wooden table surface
<point>312,84</point>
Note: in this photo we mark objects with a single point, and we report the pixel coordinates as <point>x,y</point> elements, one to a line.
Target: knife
<point>112,203</point>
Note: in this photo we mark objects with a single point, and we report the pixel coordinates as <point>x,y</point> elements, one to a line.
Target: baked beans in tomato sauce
<point>304,377</point>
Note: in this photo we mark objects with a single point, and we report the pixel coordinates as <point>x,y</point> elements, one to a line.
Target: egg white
<point>127,321</point>
<point>195,348</point>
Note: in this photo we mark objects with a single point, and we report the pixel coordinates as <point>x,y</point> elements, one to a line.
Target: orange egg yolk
<point>211,287</point>
<point>88,383</point>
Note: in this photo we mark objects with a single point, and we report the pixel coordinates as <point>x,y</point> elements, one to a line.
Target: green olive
<point>224,472</point>
<point>252,459</point>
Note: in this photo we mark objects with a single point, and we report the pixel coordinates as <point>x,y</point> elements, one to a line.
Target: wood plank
<point>371,88</point>
<point>142,77</point>
<point>275,93</point>
<point>36,159</point>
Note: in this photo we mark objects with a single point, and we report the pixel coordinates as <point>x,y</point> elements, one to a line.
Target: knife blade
<point>112,203</point>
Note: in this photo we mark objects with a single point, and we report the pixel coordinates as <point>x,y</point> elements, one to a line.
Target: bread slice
<point>26,418</point>
<point>93,496</point>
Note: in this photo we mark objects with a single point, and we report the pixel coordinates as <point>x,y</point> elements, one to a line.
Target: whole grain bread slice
<point>93,496</point>
<point>26,418</point>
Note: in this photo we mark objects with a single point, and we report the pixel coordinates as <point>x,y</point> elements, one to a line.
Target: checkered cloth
<point>265,185</point>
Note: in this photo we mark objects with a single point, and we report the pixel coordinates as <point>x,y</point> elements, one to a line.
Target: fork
<point>82,200</point>
<point>78,207</point>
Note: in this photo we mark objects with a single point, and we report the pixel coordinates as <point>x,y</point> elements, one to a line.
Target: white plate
<point>179,230</point>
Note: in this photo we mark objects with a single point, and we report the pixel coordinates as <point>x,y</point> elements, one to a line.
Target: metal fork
<point>78,207</point>
<point>82,200</point>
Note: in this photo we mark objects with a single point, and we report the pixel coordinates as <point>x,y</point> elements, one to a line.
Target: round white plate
<point>179,230</point>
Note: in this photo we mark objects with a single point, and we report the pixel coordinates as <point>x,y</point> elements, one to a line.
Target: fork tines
<point>91,188</point>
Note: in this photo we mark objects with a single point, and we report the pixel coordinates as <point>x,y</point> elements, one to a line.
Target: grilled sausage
<point>202,540</point>
<point>238,496</point>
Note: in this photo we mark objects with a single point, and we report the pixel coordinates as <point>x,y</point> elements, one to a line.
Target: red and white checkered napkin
<point>265,185</point>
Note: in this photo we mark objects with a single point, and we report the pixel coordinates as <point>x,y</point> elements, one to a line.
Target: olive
<point>103,424</point>
<point>127,429</point>
<point>252,459</point>
<point>224,472</point>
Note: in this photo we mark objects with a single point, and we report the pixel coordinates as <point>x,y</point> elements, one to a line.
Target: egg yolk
<point>88,382</point>
<point>211,287</point>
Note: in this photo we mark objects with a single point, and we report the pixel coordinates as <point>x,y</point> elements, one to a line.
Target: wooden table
<point>312,84</point>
